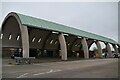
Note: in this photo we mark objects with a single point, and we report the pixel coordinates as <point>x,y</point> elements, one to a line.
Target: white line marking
<point>51,71</point>
<point>38,74</point>
<point>23,75</point>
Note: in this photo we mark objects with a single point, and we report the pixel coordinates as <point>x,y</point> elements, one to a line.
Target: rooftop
<point>40,23</point>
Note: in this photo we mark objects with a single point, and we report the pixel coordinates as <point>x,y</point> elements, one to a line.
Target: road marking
<point>38,74</point>
<point>51,71</point>
<point>23,75</point>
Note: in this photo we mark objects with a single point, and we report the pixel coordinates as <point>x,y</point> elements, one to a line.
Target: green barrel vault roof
<point>40,23</point>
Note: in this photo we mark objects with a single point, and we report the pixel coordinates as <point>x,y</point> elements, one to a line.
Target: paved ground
<point>93,68</point>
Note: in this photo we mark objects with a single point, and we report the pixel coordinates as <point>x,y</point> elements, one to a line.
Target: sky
<point>96,17</point>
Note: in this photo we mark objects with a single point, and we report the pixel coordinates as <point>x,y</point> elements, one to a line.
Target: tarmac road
<point>92,68</point>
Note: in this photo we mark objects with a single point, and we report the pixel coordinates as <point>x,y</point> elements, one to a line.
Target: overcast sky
<point>97,17</point>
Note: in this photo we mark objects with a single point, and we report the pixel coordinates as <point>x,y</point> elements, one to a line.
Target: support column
<point>116,49</point>
<point>85,48</point>
<point>109,50</point>
<point>99,48</point>
<point>63,47</point>
<point>25,41</point>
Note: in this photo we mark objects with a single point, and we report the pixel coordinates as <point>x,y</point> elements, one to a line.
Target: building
<point>28,33</point>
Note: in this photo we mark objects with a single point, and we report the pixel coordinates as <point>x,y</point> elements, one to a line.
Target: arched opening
<point>108,49</point>
<point>96,49</point>
<point>11,37</point>
<point>43,43</point>
<point>93,51</point>
<point>74,47</point>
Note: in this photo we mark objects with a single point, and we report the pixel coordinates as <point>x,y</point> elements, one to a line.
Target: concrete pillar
<point>118,48</point>
<point>99,48</point>
<point>63,47</point>
<point>115,48</point>
<point>25,41</point>
<point>85,48</point>
<point>109,50</point>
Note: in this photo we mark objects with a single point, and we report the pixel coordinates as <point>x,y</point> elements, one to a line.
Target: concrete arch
<point>23,31</point>
<point>118,47</point>
<point>115,48</point>
<point>85,48</point>
<point>112,46</point>
<point>98,46</point>
<point>63,47</point>
<point>108,49</point>
<point>31,28</point>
